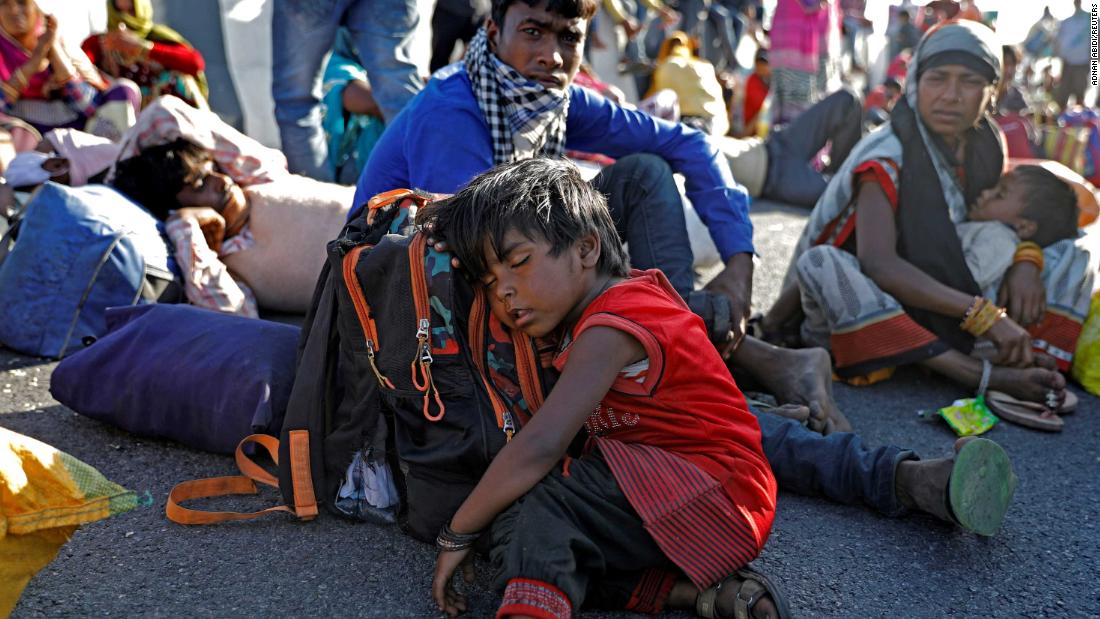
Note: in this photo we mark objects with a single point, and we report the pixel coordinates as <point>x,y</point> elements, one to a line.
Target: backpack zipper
<point>505,419</point>
<point>423,358</point>
<point>362,310</point>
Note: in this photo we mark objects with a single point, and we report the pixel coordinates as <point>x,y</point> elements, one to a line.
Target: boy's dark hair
<point>761,55</point>
<point>153,177</point>
<point>1050,202</point>
<point>568,9</point>
<point>1010,53</point>
<point>544,199</point>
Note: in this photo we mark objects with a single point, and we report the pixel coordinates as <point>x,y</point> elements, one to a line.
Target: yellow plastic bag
<point>45,494</point>
<point>1086,361</point>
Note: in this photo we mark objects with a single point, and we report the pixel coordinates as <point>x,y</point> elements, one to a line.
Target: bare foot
<point>1031,384</point>
<point>803,376</point>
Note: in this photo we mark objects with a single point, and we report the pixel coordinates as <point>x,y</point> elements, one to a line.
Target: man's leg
<point>649,215</point>
<point>383,33</point>
<point>837,118</point>
<point>837,467</point>
<point>302,33</point>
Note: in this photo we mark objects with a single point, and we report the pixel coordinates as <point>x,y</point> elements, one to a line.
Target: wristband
<point>981,316</point>
<point>1029,252</point>
<point>450,541</point>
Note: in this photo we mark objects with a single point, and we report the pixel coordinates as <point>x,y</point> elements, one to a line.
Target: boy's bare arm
<point>596,359</point>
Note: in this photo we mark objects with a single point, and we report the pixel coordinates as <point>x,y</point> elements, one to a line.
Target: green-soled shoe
<point>981,486</point>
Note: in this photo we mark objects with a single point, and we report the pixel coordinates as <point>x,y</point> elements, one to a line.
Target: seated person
<point>882,271</point>
<point>50,84</point>
<point>515,253</point>
<point>541,240</point>
<point>353,121</point>
<point>749,109</point>
<point>1029,204</point>
<point>527,57</point>
<point>155,57</point>
<point>695,83</point>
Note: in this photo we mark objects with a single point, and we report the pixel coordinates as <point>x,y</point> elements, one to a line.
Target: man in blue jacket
<point>513,98</point>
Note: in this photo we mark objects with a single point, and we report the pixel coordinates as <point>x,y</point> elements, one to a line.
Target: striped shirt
<point>677,434</point>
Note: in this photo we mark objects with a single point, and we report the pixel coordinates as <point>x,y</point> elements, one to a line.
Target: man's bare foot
<point>1031,384</point>
<point>803,376</point>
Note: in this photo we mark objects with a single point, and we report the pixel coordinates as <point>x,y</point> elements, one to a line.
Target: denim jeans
<point>303,32</point>
<point>791,178</point>
<point>649,216</point>
<point>837,467</point>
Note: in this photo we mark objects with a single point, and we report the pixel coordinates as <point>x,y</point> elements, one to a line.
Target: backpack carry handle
<point>244,484</point>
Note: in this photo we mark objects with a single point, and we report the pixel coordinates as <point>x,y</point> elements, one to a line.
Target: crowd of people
<point>925,242</point>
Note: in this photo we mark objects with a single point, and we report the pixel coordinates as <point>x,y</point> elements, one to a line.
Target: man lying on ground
<point>527,57</point>
<point>246,232</point>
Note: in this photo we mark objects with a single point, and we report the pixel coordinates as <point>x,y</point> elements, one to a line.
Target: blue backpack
<point>78,251</point>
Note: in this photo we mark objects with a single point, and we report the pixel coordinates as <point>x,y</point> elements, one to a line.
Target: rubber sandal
<point>753,586</point>
<point>1028,414</point>
<point>981,486</point>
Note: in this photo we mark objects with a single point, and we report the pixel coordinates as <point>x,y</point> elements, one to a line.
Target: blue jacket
<point>441,140</point>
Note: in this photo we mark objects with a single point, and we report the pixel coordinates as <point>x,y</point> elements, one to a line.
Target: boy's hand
<point>1022,293</point>
<point>443,592</point>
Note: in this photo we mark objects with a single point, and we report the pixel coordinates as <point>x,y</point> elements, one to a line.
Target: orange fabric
<point>305,501</point>
<point>878,340</point>
<point>242,485</point>
<point>1056,335</point>
<point>477,343</point>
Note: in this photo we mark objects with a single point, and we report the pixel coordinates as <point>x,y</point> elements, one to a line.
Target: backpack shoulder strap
<point>245,484</point>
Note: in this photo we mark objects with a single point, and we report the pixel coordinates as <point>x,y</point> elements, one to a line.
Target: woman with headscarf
<point>153,55</point>
<point>695,83</point>
<point>882,269</point>
<point>49,84</point>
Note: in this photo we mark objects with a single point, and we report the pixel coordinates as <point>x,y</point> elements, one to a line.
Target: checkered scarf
<point>531,121</point>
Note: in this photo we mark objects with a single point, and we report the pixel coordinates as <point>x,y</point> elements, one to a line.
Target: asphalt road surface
<point>831,560</point>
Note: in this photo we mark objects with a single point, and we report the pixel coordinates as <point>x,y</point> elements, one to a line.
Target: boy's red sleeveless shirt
<point>685,403</point>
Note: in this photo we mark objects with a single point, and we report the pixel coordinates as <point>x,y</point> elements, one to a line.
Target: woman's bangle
<point>1029,252</point>
<point>981,316</point>
<point>450,541</point>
